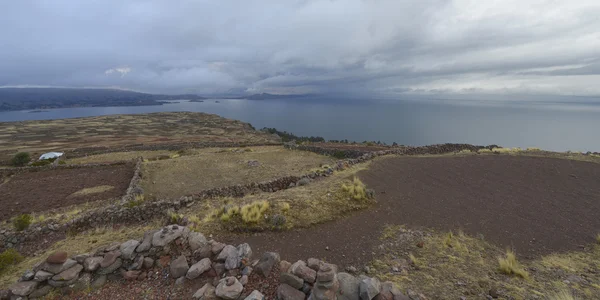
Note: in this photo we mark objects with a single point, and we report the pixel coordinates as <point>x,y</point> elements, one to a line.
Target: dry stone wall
<point>229,272</point>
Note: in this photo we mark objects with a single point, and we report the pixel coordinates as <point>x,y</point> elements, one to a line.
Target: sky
<point>395,47</point>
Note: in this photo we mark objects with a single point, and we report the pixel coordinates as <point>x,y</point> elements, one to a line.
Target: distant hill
<point>43,98</point>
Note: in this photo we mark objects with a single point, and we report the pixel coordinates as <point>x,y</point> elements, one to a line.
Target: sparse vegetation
<point>287,137</point>
<point>20,159</point>
<point>598,238</point>
<point>22,222</point>
<point>563,294</point>
<point>510,266</point>
<point>9,257</point>
<point>93,190</point>
<point>253,212</point>
<point>137,201</point>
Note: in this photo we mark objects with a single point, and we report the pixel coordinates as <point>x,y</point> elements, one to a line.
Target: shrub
<point>9,257</point>
<point>62,162</point>
<point>253,212</point>
<point>41,163</point>
<point>20,159</point>
<point>22,222</point>
<point>229,212</point>
<point>339,154</point>
<point>137,201</point>
<point>510,266</point>
<point>356,190</point>
<point>278,220</point>
<point>562,295</point>
<point>284,206</point>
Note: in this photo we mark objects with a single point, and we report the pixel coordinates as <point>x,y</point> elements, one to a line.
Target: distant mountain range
<point>46,98</point>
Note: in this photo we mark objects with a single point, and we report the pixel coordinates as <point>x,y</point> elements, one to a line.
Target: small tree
<point>20,159</point>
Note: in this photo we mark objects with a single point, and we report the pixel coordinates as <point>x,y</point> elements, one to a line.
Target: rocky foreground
<point>227,272</point>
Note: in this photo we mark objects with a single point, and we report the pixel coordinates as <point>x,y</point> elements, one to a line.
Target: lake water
<point>556,126</point>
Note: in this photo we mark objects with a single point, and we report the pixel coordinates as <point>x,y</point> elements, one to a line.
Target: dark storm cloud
<point>378,46</point>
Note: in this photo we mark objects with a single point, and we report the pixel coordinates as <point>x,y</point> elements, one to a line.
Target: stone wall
<point>134,185</point>
<point>228,272</point>
<point>126,213</point>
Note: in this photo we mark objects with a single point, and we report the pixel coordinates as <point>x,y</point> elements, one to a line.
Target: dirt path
<point>535,205</point>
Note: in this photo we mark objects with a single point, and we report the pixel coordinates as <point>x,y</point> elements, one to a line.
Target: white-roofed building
<point>51,155</point>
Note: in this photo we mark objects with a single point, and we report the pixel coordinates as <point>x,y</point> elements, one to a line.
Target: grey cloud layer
<point>376,46</point>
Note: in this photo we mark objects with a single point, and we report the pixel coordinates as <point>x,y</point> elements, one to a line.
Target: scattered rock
<point>229,288</point>
<point>131,275</point>
<point>351,269</point>
<point>266,263</point>
<point>244,280</point>
<point>83,282</point>
<point>92,264</point>
<point>198,268</point>
<point>247,270</point>
<point>146,242</point>
<point>369,288</point>
<point>349,287</point>
<point>109,258</point>
<point>80,258</point>
<point>180,281</point>
<point>303,181</point>
<point>23,288</point>
<point>107,270</point>
<point>179,267</point>
<point>5,294</point>
<point>291,280</point>
<point>253,163</point>
<point>40,292</point>
<point>41,276</point>
<point>205,293</point>
<point>205,251</point>
<point>494,293</point>
<point>128,249</point>
<point>217,247</point>
<point>286,292</point>
<point>219,268</point>
<point>197,240</point>
<point>229,255</point>
<point>58,257</point>
<point>390,292</point>
<point>255,295</point>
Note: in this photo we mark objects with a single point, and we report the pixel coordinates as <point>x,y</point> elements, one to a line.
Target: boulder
<point>58,257</point>
<point>198,268</point>
<point>148,263</point>
<point>284,266</point>
<point>286,292</point>
<point>196,240</point>
<point>23,288</point>
<point>255,295</point>
<point>128,249</point>
<point>109,258</point>
<point>40,292</point>
<point>229,288</point>
<point>109,269</point>
<point>390,292</point>
<point>68,274</point>
<point>205,251</point>
<point>92,264</point>
<point>244,251</point>
<point>180,281</point>
<point>207,292</point>
<point>313,263</point>
<point>301,270</point>
<point>80,258</point>
<point>291,280</point>
<point>57,268</point>
<point>5,294</point>
<point>322,293</point>
<point>83,282</point>
<point>168,234</point>
<point>326,273</point>
<point>266,263</point>
<point>61,283</point>
<point>146,242</point>
<point>41,276</point>
<point>369,288</point>
<point>349,287</point>
<point>137,264</point>
<point>27,275</point>
<point>217,247</point>
<point>130,275</point>
<point>219,268</point>
<point>179,267</point>
<point>98,282</point>
<point>229,255</point>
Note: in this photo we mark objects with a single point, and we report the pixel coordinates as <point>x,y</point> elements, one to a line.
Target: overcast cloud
<point>351,46</point>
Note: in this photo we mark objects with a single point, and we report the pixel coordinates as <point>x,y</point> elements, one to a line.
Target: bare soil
<point>355,147</point>
<point>45,190</point>
<point>535,205</point>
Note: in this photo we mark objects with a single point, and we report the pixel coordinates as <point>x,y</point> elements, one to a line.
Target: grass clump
<point>9,257</point>
<point>20,159</point>
<point>562,295</point>
<point>137,201</point>
<point>253,212</point>
<point>92,190</point>
<point>355,190</point>
<point>598,238</point>
<point>510,266</point>
<point>22,222</point>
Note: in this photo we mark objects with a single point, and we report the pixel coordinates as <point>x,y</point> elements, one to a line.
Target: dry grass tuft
<point>563,294</point>
<point>510,266</point>
<point>355,190</point>
<point>598,238</point>
<point>253,212</point>
<point>93,190</point>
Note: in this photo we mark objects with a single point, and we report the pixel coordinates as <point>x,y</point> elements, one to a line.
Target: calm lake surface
<point>556,126</point>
